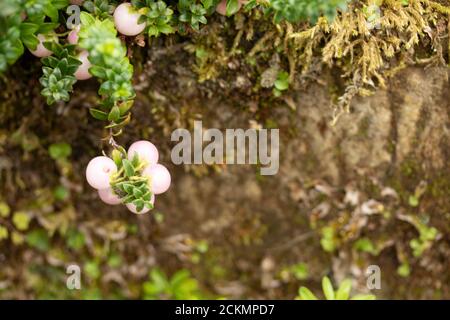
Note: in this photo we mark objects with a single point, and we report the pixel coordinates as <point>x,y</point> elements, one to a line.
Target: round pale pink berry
<point>145,150</point>
<point>82,72</point>
<point>42,51</point>
<point>98,172</point>
<point>159,178</point>
<point>133,209</point>
<point>126,20</point>
<point>72,38</point>
<point>109,197</point>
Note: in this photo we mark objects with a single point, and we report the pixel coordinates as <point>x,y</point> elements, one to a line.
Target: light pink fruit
<point>109,197</point>
<point>82,72</point>
<point>98,172</point>
<point>145,150</point>
<point>132,207</point>
<point>72,38</point>
<point>126,20</point>
<point>42,51</point>
<point>159,178</point>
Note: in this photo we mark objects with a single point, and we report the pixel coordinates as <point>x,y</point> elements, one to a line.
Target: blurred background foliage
<point>228,232</point>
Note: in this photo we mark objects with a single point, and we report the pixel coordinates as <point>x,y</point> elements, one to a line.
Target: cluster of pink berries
<point>126,20</point>
<point>82,72</point>
<point>100,170</point>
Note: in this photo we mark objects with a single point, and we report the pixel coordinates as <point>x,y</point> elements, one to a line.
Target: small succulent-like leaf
<point>128,167</point>
<point>306,294</point>
<point>327,288</point>
<point>343,293</point>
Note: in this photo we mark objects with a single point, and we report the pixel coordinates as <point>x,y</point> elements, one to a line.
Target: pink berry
<point>109,197</point>
<point>42,51</point>
<point>126,20</point>
<point>98,172</point>
<point>145,150</point>
<point>133,209</point>
<point>159,178</point>
<point>72,38</point>
<point>82,72</point>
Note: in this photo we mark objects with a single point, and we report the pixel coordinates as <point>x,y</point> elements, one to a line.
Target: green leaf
<point>282,82</point>
<point>86,19</point>
<point>3,233</point>
<point>128,167</point>
<point>116,155</point>
<point>232,7</point>
<point>158,279</point>
<point>306,294</point>
<point>364,297</point>
<point>137,193</point>
<point>98,114</point>
<point>4,210</point>
<point>61,193</point>
<point>327,288</point>
<point>75,240</point>
<point>114,114</point>
<point>92,269</point>
<point>38,239</point>
<point>343,293</point>
<point>21,220</point>
<point>60,150</point>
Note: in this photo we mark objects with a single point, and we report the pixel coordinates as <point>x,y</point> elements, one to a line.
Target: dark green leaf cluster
<point>37,10</point>
<point>100,8</point>
<point>59,69</point>
<point>21,21</point>
<point>129,184</point>
<point>11,47</point>
<point>194,13</point>
<point>110,65</point>
<point>157,15</point>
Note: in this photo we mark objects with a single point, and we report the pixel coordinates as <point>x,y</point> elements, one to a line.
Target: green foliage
<point>426,237</point>
<point>365,245</point>
<point>281,83</point>
<point>60,150</point>
<point>404,270</point>
<point>61,193</point>
<point>5,210</point>
<point>3,233</point>
<point>193,13</point>
<point>75,239</point>
<point>37,10</point>
<point>157,15</point>
<point>59,70</point>
<point>180,287</point>
<point>328,241</point>
<point>298,10</point>
<point>342,293</point>
<point>111,66</point>
<point>21,220</point>
<point>11,47</point>
<point>129,184</point>
<point>232,7</point>
<point>102,9</point>
<point>38,239</point>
